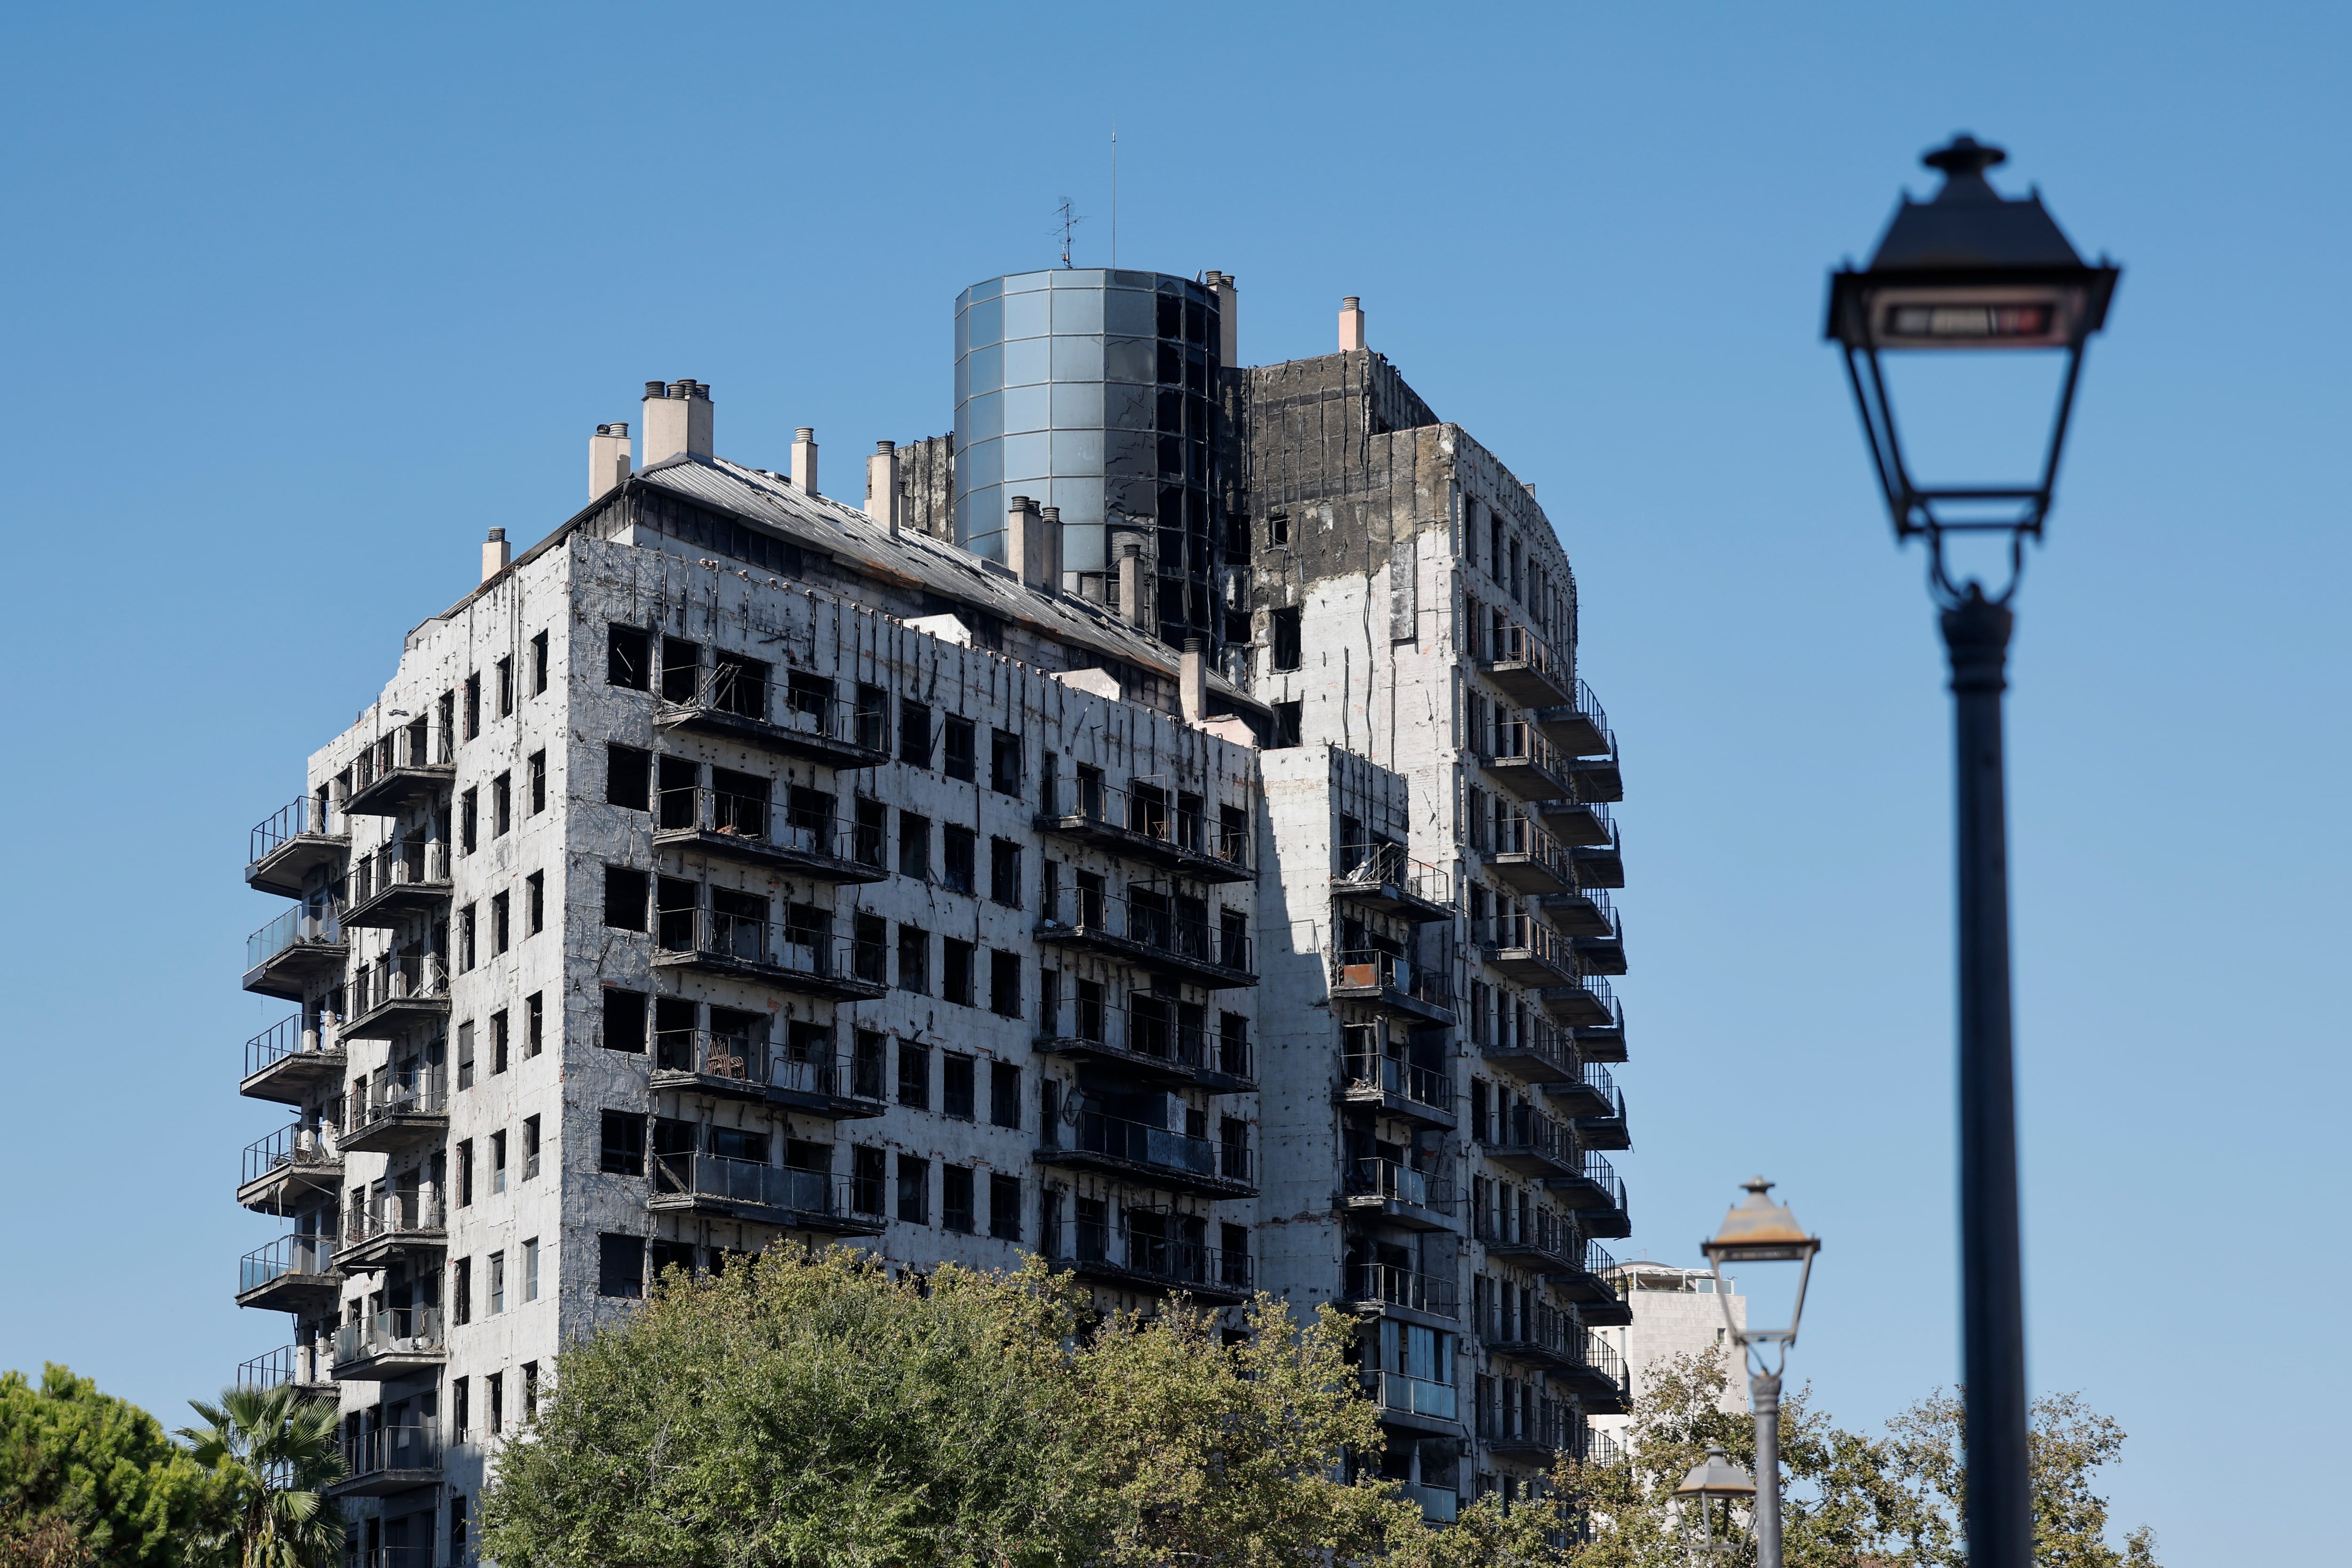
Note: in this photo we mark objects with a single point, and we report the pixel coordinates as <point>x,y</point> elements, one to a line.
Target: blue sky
<point>301,299</point>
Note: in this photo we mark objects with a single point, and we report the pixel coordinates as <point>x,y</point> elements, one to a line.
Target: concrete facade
<point>1673,1312</point>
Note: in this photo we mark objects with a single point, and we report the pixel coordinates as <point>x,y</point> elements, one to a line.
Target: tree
<point>272,1453</point>
<point>82,1472</point>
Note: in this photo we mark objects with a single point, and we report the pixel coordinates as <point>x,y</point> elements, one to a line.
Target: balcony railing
<point>409,1447</point>
<point>1545,1329</point>
<point>294,1148</point>
<point>305,816</point>
<point>1531,1229</point>
<point>1515,833</point>
<point>1390,1075</point>
<point>759,822</point>
<point>305,925</point>
<point>286,1038</point>
<point>1148,815</point>
<point>396,1330</point>
<point>1600,1173</point>
<point>1589,707</point>
<point>296,1364</point>
<point>1432,1293</point>
<point>401,1212</point>
<point>1532,1036</point>
<point>1082,911</point>
<point>1516,644</point>
<point>1592,1351</point>
<point>1525,938</point>
<point>752,1062</point>
<point>403,862</point>
<point>1516,740</point>
<point>733,689</point>
<point>1150,1030</point>
<point>1438,1505</point>
<point>1375,866</point>
<point>300,1254</point>
<point>1163,1257</point>
<point>1368,970</point>
<point>1528,1133</point>
<point>715,1176</point>
<point>399,1091</point>
<point>1116,1138</point>
<point>1393,1391</point>
<point>1539,1423</point>
<point>1400,1183</point>
<point>727,939</point>
<point>403,977</point>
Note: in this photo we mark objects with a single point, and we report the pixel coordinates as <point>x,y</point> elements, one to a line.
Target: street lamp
<point>1716,1478</point>
<point>1975,272</point>
<point>1761,1231</point>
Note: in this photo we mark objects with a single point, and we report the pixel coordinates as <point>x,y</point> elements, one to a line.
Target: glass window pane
<point>986,466</point>
<point>1026,361</point>
<point>1078,405</point>
<point>1027,409</point>
<point>1131,454</point>
<point>1127,407</point>
<point>1025,457</point>
<point>984,371</point>
<point>983,418</point>
<point>1077,451</point>
<point>1126,313</point>
<point>1131,359</point>
<point>1077,311</point>
<point>1081,500</point>
<point>1077,358</point>
<point>988,290</point>
<point>1082,549</point>
<point>1079,278</point>
<point>963,340</point>
<point>984,324</point>
<point>1025,314</point>
<point>1022,282</point>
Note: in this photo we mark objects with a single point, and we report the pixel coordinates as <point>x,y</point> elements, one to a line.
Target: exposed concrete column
<point>1351,324</point>
<point>678,421</point>
<point>882,485</point>
<point>496,553</point>
<point>1192,681</point>
<point>804,460</point>
<point>608,458</point>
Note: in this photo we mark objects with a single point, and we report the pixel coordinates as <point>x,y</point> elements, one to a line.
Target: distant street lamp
<point>1761,1231</point>
<point>1972,271</point>
<point>1715,1481</point>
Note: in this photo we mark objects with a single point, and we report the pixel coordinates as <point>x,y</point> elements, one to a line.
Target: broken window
<point>1004,1094</point>
<point>914,1075</point>
<point>955,1198</point>
<point>624,899</point>
<point>469,821</point>
<point>914,960</point>
<point>534,903</point>
<point>1004,1207</point>
<point>537,767</point>
<point>739,685</point>
<point>501,804</point>
<point>681,664</point>
<point>625,1020</point>
<point>538,664</point>
<point>1289,723</point>
<point>959,872</point>
<point>914,846</point>
<point>866,846</point>
<point>497,1042</point>
<point>913,731</point>
<point>1287,652</point>
<point>620,1270</point>
<point>1004,763</point>
<point>955,970</point>
<point>505,686</point>
<point>914,1189</point>
<point>866,1180</point>
<point>1005,872</point>
<point>629,657</point>
<point>865,1066</point>
<point>958,1080</point>
<point>961,741</point>
<point>624,1145</point>
<point>464,939</point>
<point>628,778</point>
<point>533,1016</point>
<point>1004,985</point>
<point>473,705</point>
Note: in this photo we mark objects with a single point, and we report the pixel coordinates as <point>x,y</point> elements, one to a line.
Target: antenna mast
<point>1070,220</point>
<point>1114,192</point>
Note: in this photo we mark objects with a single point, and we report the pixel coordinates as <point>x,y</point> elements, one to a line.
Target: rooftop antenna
<point>1114,192</point>
<point>1070,220</point>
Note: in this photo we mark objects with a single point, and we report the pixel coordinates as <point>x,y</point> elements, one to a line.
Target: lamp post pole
<point>1761,1231</point>
<point>1764,1397</point>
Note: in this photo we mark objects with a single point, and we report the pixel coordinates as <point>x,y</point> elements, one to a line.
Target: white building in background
<point>1671,1313</point>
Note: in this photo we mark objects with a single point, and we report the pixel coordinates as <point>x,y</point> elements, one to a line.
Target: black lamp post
<point>1975,271</point>
<point>1761,1231</point>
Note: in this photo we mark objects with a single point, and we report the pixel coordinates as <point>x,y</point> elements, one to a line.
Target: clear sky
<point>299,299</point>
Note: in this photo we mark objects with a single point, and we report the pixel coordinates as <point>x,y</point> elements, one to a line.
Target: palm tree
<point>274,1451</point>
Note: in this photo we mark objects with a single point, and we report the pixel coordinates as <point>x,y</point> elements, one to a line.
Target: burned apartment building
<point>1161,830</point>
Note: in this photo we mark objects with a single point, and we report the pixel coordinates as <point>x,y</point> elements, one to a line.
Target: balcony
<point>1522,948</point>
<point>1398,1089</point>
<point>402,768</point>
<point>289,1063</point>
<point>293,1274</point>
<point>405,878</point>
<point>1540,1336</point>
<point>1597,1195</point>
<point>1523,667</point>
<point>1584,1001</point>
<point>1595,1374</point>
<point>1419,1403</point>
<point>1149,936</point>
<point>1578,726</point>
<point>1157,1156</point>
<point>300,1365</point>
<point>1377,1289</point>
<point>402,1225</point>
<point>1577,822</point>
<point>789,958</point>
<point>395,994</point>
<point>1604,1042</point>
<point>719,1188</point>
<point>1534,1430</point>
<point>1529,859</point>
<point>1415,1200</point>
<point>1598,778</point>
<point>1383,876</point>
<point>1536,1053</point>
<point>759,1072</point>
<point>292,1165</point>
<point>403,1109</point>
<point>751,830</point>
<point>1392,986</point>
<point>1149,1039</point>
<point>1599,865</point>
<point>1140,1260</point>
<point>1536,1238</point>
<point>1438,1505</point>
<point>1591,1284</point>
<point>1529,1144</point>
<point>734,701</point>
<point>386,1460</point>
<point>1525,764</point>
<point>1140,825</point>
<point>285,847</point>
<point>1597,1108</point>
<point>302,949</point>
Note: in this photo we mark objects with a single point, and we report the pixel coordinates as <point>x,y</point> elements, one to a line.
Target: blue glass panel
<point>1080,499</point>
<point>1127,407</point>
<point>1027,409</point>
<point>1077,452</point>
<point>1126,313</point>
<point>984,371</point>
<point>1077,311</point>
<point>1025,361</point>
<point>1130,359</point>
<point>983,418</point>
<point>984,323</point>
<point>963,382</point>
<point>1131,454</point>
<point>988,290</point>
<point>1026,315</point>
<point>1026,457</point>
<point>1079,278</point>
<point>1133,279</point>
<point>1078,405</point>
<point>1131,502</point>
<point>1077,358</point>
<point>1082,548</point>
<point>986,466</point>
<point>1022,282</point>
<point>963,342</point>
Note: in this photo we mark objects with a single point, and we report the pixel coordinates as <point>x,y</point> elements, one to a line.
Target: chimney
<point>496,553</point>
<point>1221,285</point>
<point>1351,324</point>
<point>678,421</point>
<point>804,460</point>
<point>1133,601</point>
<point>608,458</point>
<point>1049,523</point>
<point>1192,681</point>
<point>882,485</point>
<point>1024,538</point>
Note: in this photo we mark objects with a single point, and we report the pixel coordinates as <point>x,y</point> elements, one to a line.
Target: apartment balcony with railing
<point>401,1226</point>
<point>1392,986</point>
<point>1150,936</point>
<point>1375,1289</point>
<point>304,1365</point>
<point>1596,1374</point>
<point>1583,1000</point>
<point>1383,876</point>
<point>1151,1039</point>
<point>1145,823</point>
<point>293,1274</point>
<point>1438,1505</point>
<point>1595,1107</point>
<point>1602,1042</point>
<point>1593,1284</point>
<point>1579,912</point>
<point>1529,1047</point>
<point>1530,1427</point>
<point>386,1459</point>
<point>1601,864</point>
<point>1597,1194</point>
<point>1521,760</point>
<point>305,836</point>
<point>1535,1238</point>
<point>736,700</point>
<point>407,879</point>
<point>292,1062</point>
<point>1520,948</point>
<point>1390,1084</point>
<point>1141,1259</point>
<point>1535,1335</point>
<point>1419,1403</point>
<point>297,952</point>
<point>1525,668</point>
<point>289,1168</point>
<point>1159,1157</point>
<point>1524,857</point>
<point>1577,822</point>
<point>786,957</point>
<point>755,830</point>
<point>719,1188</point>
<point>388,1344</point>
<point>1410,1198</point>
<point>1578,727</point>
<point>416,763</point>
<point>809,1079</point>
<point>400,1109</point>
<point>1526,1142</point>
<point>395,994</point>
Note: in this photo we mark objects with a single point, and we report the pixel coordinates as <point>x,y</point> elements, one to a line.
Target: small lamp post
<point>1715,1479</point>
<point>1761,1231</point>
<point>1972,272</point>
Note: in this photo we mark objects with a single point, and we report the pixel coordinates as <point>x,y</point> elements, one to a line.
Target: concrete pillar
<point>608,458</point>
<point>1049,524</point>
<point>1227,291</point>
<point>882,485</point>
<point>496,553</point>
<point>1351,324</point>
<point>1023,540</point>
<point>1192,681</point>
<point>1133,597</point>
<point>804,460</point>
<point>678,421</point>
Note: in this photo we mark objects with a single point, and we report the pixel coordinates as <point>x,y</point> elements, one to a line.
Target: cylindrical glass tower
<point>1092,391</point>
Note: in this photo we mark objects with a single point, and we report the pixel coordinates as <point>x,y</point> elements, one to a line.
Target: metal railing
<point>1533,1036</point>
<point>1597,1261</point>
<point>286,1038</point>
<point>1164,1258</point>
<point>1085,912</point>
<point>304,925</point>
<point>1399,1287</point>
<point>1438,1505</point>
<point>1589,707</point>
<point>399,977</point>
<point>1546,1328</point>
<point>745,938</point>
<point>1517,834</point>
<point>747,1060</point>
<point>1149,813</point>
<point>1116,1138</point>
<point>1601,1448</point>
<point>305,816</point>
<point>1515,741</point>
<point>414,745</point>
<point>723,687</point>
<point>759,819</point>
<point>1598,1353</point>
<point>398,1211</point>
<point>399,1091</point>
<point>1523,1129</point>
<point>748,1182</point>
<point>411,1446</point>
<point>1148,1028</point>
<point>1374,1177</point>
<point>1597,988</point>
<point>299,1253</point>
<point>1596,1078</point>
<point>394,1331</point>
<point>1377,866</point>
<point>1539,1229</point>
<point>1537,1423</point>
<point>1364,971</point>
<point>403,862</point>
<point>1390,1076</point>
<point>1516,644</point>
<point>1598,1172</point>
<point>1415,1395</point>
<point>291,1147</point>
<point>1524,933</point>
<point>296,1364</point>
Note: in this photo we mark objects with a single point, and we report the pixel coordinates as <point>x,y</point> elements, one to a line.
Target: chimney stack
<point>496,553</point>
<point>1049,520</point>
<point>882,485</point>
<point>804,460</point>
<point>1221,285</point>
<point>608,458</point>
<point>678,421</point>
<point>1351,324</point>
<point>1133,601</point>
<point>1193,682</point>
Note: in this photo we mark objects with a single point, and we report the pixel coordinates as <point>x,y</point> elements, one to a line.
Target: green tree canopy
<point>99,1467</point>
<point>272,1453</point>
